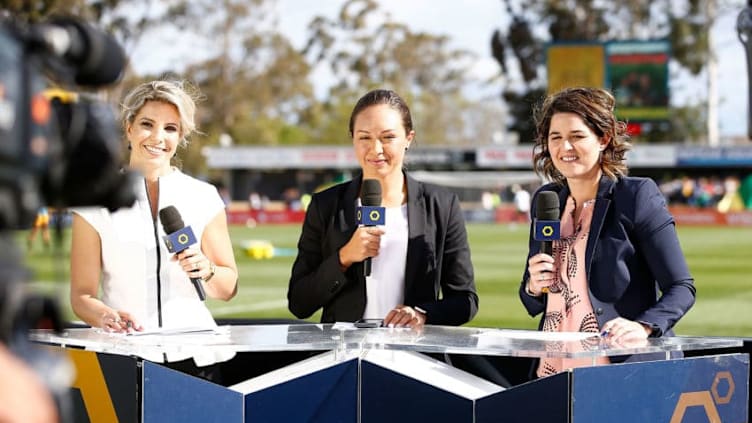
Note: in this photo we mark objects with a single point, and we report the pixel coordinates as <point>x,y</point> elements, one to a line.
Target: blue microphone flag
<point>547,230</point>
<point>371,216</point>
<point>179,240</point>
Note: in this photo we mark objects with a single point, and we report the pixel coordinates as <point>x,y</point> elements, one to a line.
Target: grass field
<point>720,259</point>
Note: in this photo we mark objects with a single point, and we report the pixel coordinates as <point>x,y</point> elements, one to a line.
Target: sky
<point>470,23</point>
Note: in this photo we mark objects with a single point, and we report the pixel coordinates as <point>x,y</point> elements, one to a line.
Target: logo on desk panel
<point>720,393</point>
<point>91,383</point>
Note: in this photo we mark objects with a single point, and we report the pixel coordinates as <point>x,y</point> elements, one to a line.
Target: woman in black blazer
<point>421,268</point>
<point>618,268</point>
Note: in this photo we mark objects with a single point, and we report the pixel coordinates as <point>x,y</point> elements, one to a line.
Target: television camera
<point>57,150</point>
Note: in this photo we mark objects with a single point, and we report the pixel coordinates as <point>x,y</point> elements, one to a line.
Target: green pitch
<point>720,259</point>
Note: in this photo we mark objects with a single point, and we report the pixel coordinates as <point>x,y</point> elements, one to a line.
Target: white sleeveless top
<point>136,265</point>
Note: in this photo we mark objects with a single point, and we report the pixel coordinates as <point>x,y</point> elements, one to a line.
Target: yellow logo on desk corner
<point>705,399</point>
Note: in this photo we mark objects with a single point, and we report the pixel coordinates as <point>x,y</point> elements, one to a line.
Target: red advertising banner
<point>689,216</point>
<point>264,217</point>
<point>697,216</point>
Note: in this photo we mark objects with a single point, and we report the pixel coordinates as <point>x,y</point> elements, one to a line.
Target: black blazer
<point>634,264</point>
<point>438,272</point>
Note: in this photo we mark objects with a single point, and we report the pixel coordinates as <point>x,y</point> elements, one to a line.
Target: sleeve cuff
<point>655,331</point>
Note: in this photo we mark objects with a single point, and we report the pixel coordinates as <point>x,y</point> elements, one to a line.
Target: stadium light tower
<point>744,31</point>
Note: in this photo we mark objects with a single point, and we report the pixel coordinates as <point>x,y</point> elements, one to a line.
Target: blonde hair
<point>180,94</point>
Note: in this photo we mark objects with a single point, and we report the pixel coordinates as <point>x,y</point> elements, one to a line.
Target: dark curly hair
<point>596,108</point>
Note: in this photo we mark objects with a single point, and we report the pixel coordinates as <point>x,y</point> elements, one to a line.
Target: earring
<point>129,147</point>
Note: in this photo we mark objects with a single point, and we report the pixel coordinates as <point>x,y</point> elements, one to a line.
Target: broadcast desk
<point>341,373</point>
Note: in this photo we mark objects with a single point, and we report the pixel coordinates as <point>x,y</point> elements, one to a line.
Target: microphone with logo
<point>179,237</point>
<point>547,225</point>
<point>370,213</point>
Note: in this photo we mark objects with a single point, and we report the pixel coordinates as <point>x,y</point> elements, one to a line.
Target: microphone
<point>96,56</point>
<point>178,238</point>
<point>547,224</point>
<point>370,213</point>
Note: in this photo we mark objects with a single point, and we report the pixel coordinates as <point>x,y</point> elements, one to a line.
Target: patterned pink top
<point>568,308</point>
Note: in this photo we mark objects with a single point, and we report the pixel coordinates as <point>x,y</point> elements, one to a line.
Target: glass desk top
<point>345,337</point>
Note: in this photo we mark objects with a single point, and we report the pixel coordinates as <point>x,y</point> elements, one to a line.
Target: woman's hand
<point>621,330</point>
<point>119,322</point>
<point>540,267</point>
<point>405,316</point>
<point>364,243</point>
<point>194,263</point>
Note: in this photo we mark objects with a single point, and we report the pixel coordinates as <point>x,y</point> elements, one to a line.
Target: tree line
<point>259,89</point>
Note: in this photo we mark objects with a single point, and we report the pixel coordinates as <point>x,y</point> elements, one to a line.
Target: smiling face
<point>154,135</point>
<point>575,149</point>
<point>380,141</point>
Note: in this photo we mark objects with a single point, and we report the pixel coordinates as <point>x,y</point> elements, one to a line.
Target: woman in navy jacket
<point>422,272</point>
<point>619,268</point>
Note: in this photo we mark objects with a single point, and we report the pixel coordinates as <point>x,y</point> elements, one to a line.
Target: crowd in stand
<point>727,194</point>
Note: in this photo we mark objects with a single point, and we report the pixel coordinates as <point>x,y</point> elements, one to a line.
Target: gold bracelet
<point>212,271</point>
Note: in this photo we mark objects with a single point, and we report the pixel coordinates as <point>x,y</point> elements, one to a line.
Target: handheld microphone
<point>547,224</point>
<point>371,213</point>
<point>178,238</point>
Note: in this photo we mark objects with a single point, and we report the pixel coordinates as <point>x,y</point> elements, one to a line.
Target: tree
<point>254,83</point>
<point>113,16</point>
<point>365,49</point>
<point>681,22</point>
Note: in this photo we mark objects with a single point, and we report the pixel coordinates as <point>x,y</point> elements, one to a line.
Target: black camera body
<point>57,148</point>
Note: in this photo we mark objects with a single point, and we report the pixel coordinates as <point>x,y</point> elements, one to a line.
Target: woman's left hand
<point>621,329</point>
<point>404,316</point>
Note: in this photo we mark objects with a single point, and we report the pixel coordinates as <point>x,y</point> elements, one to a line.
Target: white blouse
<point>385,288</point>
<point>139,275</point>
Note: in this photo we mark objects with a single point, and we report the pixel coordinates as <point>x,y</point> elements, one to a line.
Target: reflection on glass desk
<point>345,337</point>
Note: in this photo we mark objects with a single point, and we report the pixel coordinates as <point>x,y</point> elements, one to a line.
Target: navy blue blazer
<point>438,272</point>
<point>634,264</point>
